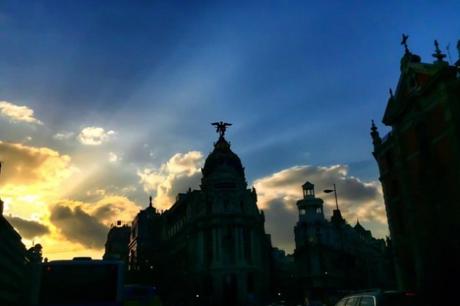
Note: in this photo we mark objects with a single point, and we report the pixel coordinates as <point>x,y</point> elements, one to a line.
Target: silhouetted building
<point>12,264</point>
<point>332,255</point>
<point>117,244</point>
<point>210,247</point>
<point>284,280</point>
<point>217,250</point>
<point>419,163</point>
<point>145,244</point>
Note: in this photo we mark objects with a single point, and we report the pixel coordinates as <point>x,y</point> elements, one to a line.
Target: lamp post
<point>335,194</point>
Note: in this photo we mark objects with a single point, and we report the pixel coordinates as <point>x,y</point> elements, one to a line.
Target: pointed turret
<point>376,140</point>
<point>150,208</point>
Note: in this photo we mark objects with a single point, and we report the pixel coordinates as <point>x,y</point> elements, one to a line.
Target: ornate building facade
<point>419,164</point>
<point>210,247</point>
<point>217,248</point>
<point>332,255</point>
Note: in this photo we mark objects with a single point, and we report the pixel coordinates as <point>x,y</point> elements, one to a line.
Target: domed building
<point>217,251</point>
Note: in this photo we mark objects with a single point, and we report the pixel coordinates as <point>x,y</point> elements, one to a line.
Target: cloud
<point>180,172</point>
<point>18,113</point>
<point>27,228</point>
<point>33,177</point>
<point>113,158</point>
<point>280,221</point>
<point>24,164</point>
<point>87,223</point>
<point>279,192</point>
<point>63,135</point>
<point>78,226</point>
<point>94,136</point>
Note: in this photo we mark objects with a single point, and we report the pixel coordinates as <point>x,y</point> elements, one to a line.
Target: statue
<point>221,127</point>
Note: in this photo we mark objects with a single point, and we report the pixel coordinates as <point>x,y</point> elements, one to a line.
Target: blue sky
<point>300,80</point>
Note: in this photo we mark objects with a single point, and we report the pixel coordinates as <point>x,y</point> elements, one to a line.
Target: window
<point>367,301</point>
<point>303,211</point>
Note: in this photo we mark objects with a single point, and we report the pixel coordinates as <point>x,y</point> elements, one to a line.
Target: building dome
<point>222,157</point>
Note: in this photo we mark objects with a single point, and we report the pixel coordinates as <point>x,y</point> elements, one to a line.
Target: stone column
<point>236,241</point>
<point>215,244</point>
<point>200,248</point>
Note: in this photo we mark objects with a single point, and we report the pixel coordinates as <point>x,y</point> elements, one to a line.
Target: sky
<point>105,103</point>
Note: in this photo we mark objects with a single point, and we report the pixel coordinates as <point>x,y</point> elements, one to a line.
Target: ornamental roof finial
<point>376,140</point>
<point>404,42</point>
<point>437,53</point>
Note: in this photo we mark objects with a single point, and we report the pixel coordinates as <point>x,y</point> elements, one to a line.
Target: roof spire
<point>150,201</point>
<point>408,57</point>
<point>404,43</point>
<point>437,53</point>
<point>376,140</point>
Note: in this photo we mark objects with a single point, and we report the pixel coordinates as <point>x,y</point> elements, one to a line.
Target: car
<point>380,298</point>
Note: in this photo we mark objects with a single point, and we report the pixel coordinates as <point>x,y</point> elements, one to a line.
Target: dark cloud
<point>182,183</point>
<point>354,189</point>
<point>104,212</point>
<point>79,226</point>
<point>25,164</point>
<point>279,224</point>
<point>27,228</point>
<point>279,192</point>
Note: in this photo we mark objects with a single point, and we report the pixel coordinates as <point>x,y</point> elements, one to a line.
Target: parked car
<point>380,298</point>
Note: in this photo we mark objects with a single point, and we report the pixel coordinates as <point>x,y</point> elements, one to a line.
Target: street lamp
<point>335,194</point>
